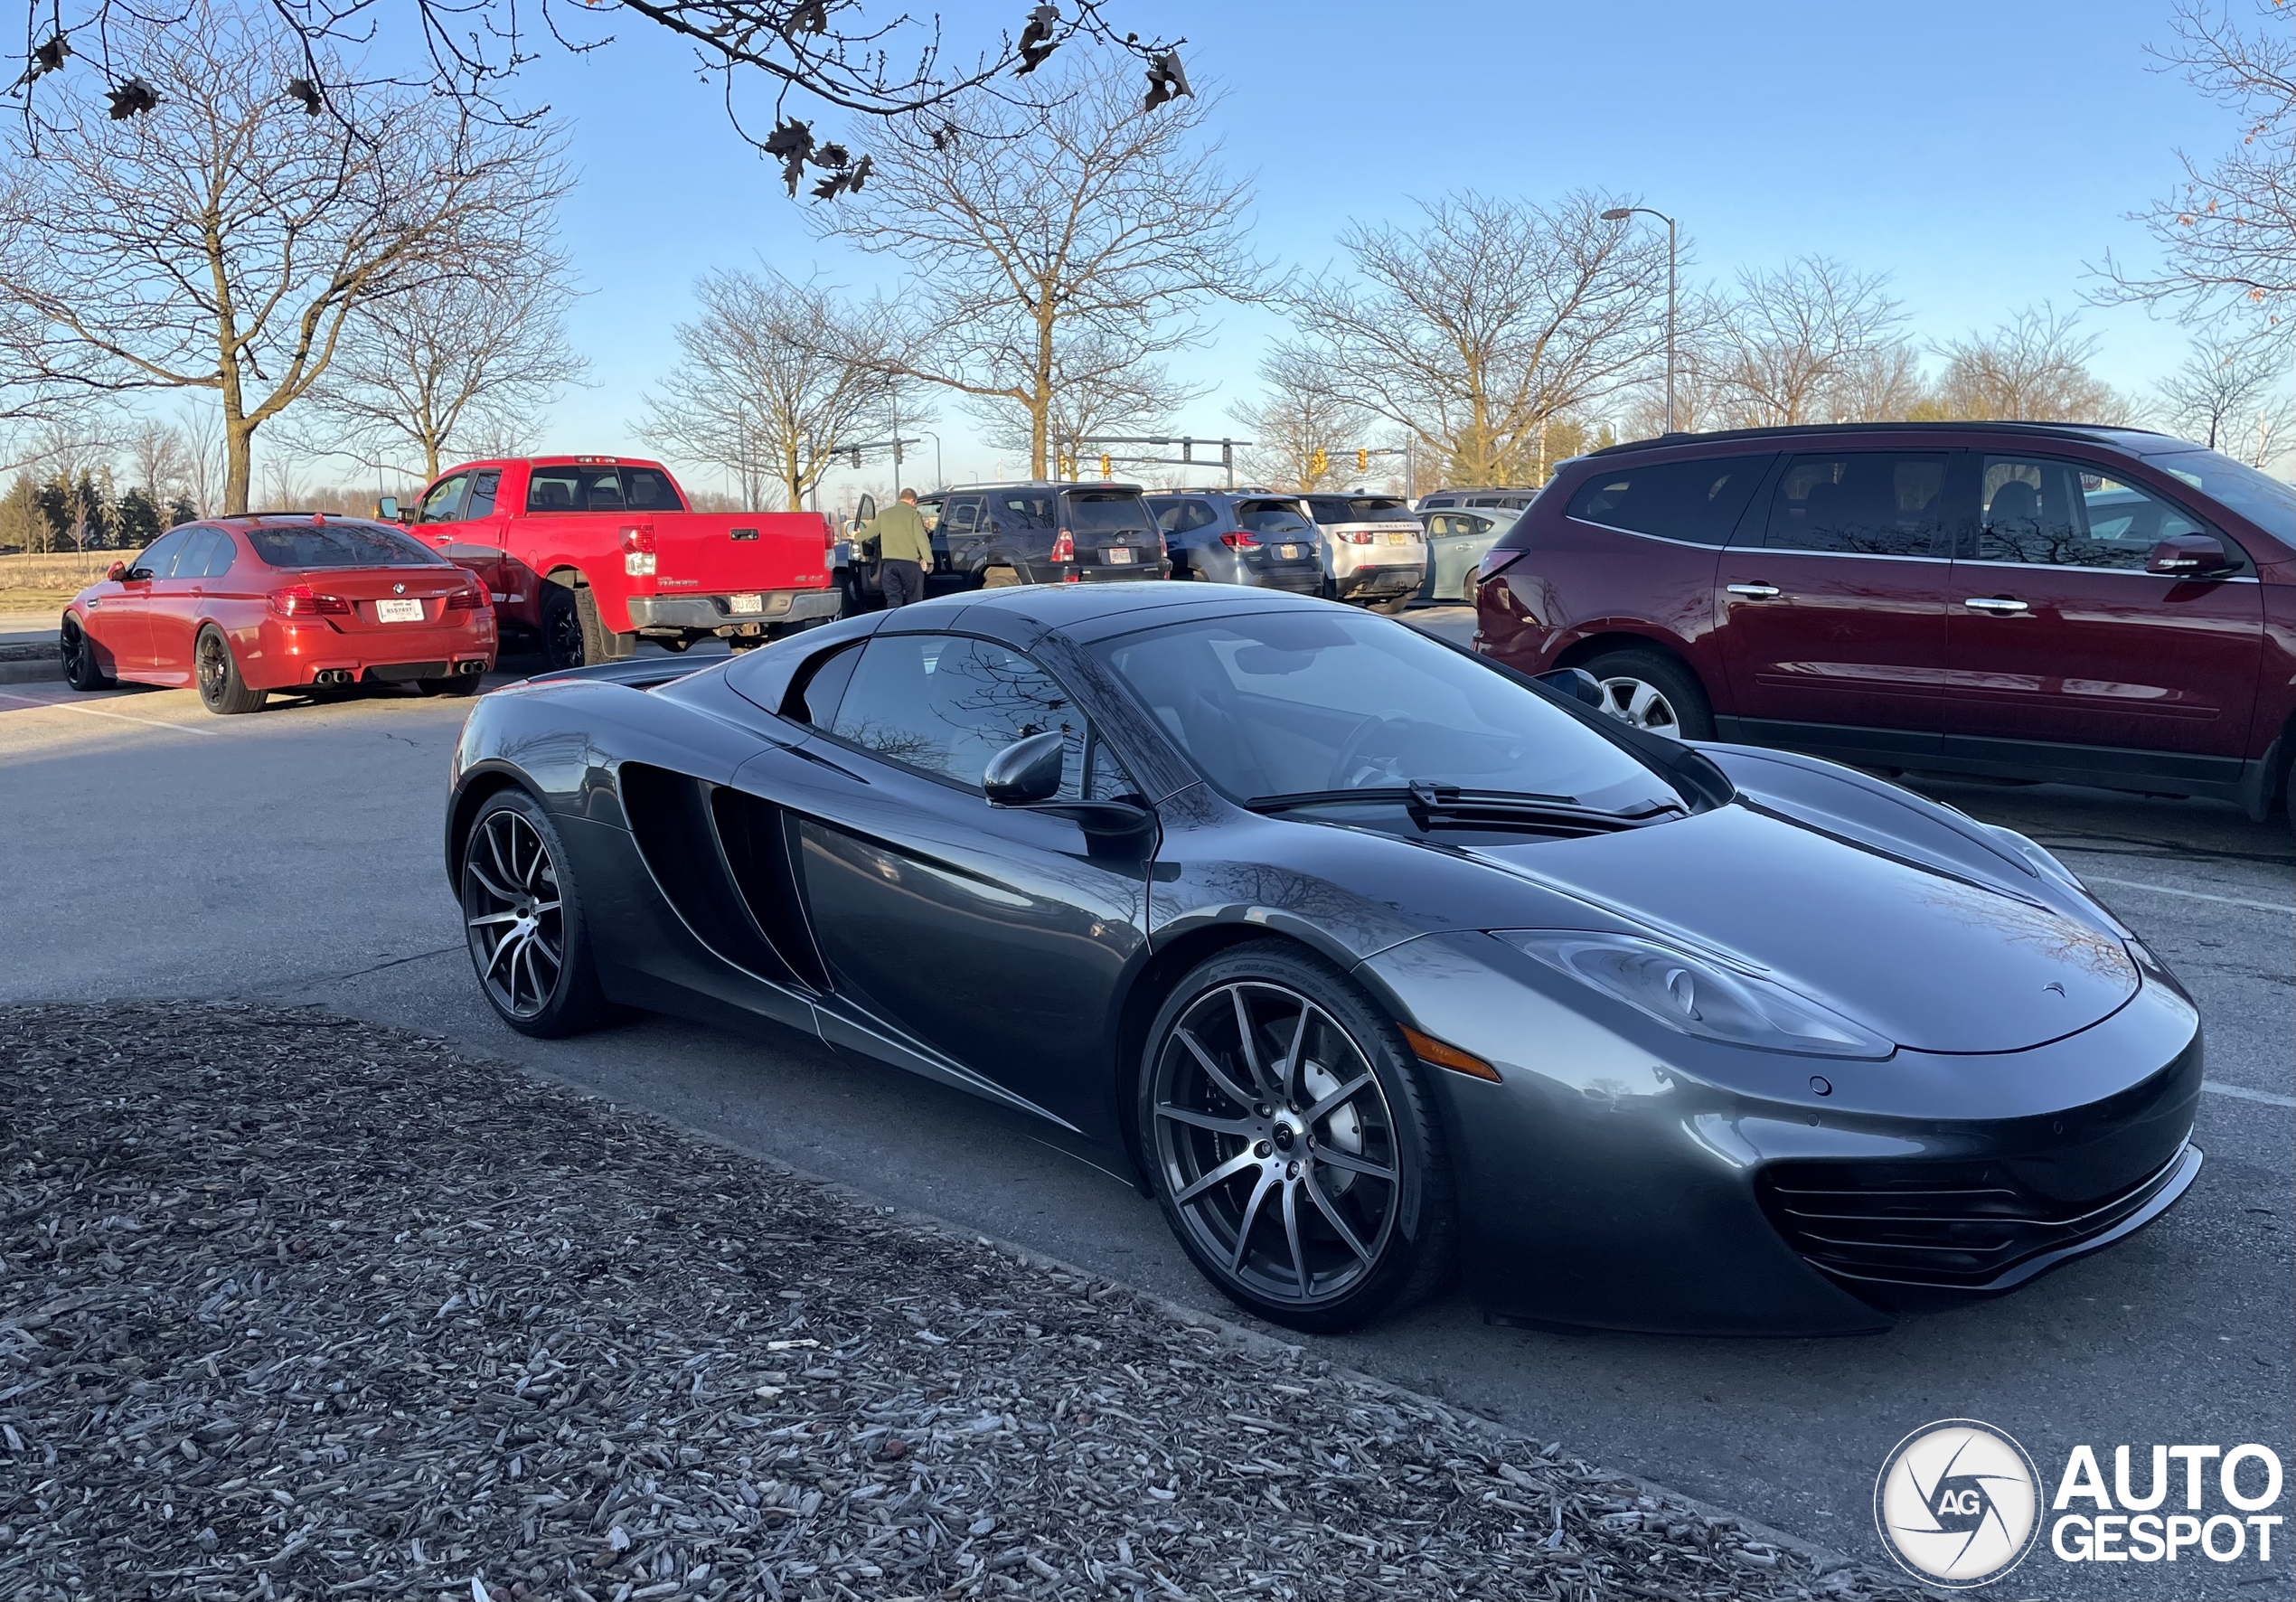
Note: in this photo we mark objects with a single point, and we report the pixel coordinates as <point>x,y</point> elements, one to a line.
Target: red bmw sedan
<point>244,605</point>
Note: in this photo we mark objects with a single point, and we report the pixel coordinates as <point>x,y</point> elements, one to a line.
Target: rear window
<point>1272,517</point>
<point>339,545</point>
<point>1358,509</point>
<point>1100,514</point>
<point>580,488</point>
<point>1698,502</point>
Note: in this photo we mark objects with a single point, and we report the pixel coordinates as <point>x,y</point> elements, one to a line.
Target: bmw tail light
<point>468,600</point>
<point>1064,549</point>
<point>1240,539</point>
<point>300,601</point>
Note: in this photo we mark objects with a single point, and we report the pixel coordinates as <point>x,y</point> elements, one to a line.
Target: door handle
<point>1755,591</point>
<point>1998,605</point>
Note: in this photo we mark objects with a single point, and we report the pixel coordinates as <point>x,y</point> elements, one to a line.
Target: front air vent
<point>675,824</point>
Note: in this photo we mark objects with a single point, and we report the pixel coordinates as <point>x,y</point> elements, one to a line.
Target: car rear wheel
<point>524,921</point>
<point>1654,691</point>
<point>1290,1144</point>
<point>82,671</point>
<point>221,689</point>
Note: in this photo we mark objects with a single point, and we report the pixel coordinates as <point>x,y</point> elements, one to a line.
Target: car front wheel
<point>1290,1144</point>
<point>1652,691</point>
<point>524,921</point>
<point>83,670</point>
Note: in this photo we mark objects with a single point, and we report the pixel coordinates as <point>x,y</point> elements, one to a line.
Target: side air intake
<point>673,819</point>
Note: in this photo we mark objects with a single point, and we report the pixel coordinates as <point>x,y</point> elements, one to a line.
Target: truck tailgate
<point>713,553</point>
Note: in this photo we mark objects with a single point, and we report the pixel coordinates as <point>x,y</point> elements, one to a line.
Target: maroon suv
<point>2089,604</point>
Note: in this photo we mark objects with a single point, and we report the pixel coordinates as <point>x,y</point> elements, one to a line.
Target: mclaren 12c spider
<point>1369,959</point>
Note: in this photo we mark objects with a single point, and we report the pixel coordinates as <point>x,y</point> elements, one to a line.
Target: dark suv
<point>1038,532</point>
<point>1253,537</point>
<point>2053,602</point>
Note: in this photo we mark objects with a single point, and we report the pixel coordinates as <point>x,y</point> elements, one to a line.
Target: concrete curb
<point>34,670</point>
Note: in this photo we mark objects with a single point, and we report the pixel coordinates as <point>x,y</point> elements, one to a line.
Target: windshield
<point>2269,503</point>
<point>1285,703</point>
<point>1359,508</point>
<point>339,545</point>
<point>1100,514</point>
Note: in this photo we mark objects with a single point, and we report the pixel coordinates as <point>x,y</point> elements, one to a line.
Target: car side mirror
<point>1027,770</point>
<point>2189,556</point>
<point>1575,683</point>
<point>387,509</point>
<point>116,572</point>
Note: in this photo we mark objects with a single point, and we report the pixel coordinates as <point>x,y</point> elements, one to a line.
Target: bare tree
<point>1474,328</point>
<point>222,239</point>
<point>203,433</point>
<point>767,384</point>
<point>2232,395</point>
<point>457,362</point>
<point>1787,340</point>
<point>1882,384</point>
<point>1304,436</point>
<point>2034,367</point>
<point>1099,387</point>
<point>2228,234</point>
<point>1071,222</point>
<point>160,459</point>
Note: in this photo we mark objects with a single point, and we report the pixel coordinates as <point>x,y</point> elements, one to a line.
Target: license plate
<point>1398,539</point>
<point>1120,553</point>
<point>745,603</point>
<point>398,612</point>
<point>1287,553</point>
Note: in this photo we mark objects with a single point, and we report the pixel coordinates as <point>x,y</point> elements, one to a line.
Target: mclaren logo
<point>1957,1503</point>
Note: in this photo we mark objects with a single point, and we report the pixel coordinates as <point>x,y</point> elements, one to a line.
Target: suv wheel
<point>1652,691</point>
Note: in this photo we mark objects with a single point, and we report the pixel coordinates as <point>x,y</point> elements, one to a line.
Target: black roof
<point>2097,433</point>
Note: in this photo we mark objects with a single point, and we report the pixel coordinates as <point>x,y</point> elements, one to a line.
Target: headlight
<point>2043,861</point>
<point>1698,997</point>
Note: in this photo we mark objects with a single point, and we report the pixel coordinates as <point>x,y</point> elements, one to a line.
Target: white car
<point>1375,551</point>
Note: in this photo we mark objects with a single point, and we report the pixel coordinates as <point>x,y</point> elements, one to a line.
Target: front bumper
<point>1625,1177</point>
<point>707,614</point>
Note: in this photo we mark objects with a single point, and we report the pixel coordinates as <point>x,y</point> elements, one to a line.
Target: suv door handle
<point>1755,591</point>
<point>1998,605</point>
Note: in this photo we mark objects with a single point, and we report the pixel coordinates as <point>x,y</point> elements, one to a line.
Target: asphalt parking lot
<point>154,851</point>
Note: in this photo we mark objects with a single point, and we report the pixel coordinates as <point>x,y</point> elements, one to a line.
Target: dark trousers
<point>903,582</point>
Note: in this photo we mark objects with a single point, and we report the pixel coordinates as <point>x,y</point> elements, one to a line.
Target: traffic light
<point>1318,462</point>
<point>1363,461</point>
<point>897,453</point>
<point>1104,464</point>
<point>857,459</point>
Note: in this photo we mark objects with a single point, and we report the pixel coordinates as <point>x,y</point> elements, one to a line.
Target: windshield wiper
<point>1449,807</point>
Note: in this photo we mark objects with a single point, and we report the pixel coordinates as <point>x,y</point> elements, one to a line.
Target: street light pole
<point>1620,214</point>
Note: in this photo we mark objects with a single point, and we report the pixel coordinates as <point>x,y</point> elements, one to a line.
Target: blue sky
<point>1982,155</point>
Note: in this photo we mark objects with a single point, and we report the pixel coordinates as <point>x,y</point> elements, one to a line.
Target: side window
<point>158,559</point>
<point>222,555</point>
<point>443,503</point>
<point>648,489</point>
<point>945,704</point>
<point>815,698</point>
<point>481,493</point>
<point>191,557</point>
<point>1167,516</point>
<point>960,516</point>
<point>554,489</point>
<point>1862,503</point>
<point>2070,514</point>
<point>1698,502</point>
<point>1201,515</point>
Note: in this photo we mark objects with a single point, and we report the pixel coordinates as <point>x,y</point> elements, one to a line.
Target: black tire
<point>1393,606</point>
<point>564,641</point>
<point>221,689</point>
<point>456,684</point>
<point>522,921</point>
<point>1652,691</point>
<point>1238,1154</point>
<point>83,669</point>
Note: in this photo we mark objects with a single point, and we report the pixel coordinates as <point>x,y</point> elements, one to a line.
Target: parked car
<point>1505,497</point>
<point>1375,553</point>
<point>1457,542</point>
<point>242,606</point>
<point>1032,532</point>
<point>587,555</point>
<point>1251,537</point>
<point>2087,605</point>
<point>1366,956</point>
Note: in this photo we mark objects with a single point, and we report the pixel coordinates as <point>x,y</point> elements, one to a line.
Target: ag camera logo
<point>1958,1503</point>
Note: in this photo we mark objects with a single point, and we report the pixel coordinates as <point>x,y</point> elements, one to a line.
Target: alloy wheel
<point>213,665</point>
<point>1276,1142</point>
<point>1642,703</point>
<point>75,651</point>
<point>512,909</point>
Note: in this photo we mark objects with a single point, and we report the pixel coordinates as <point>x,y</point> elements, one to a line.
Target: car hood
<point>1935,960</point>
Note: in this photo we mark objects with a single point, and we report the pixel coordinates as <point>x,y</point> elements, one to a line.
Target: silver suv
<point>1375,551</point>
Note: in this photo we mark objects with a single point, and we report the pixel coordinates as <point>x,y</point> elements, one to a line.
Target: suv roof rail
<point>1225,489</point>
<point>1038,483</point>
<point>1823,430</point>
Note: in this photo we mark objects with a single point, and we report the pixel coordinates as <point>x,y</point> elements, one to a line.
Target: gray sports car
<point>1368,959</point>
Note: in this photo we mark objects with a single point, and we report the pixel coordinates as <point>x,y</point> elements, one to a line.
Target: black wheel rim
<point>512,910</point>
<point>74,652</point>
<point>1276,1142</point>
<point>215,668</point>
<point>566,636</point>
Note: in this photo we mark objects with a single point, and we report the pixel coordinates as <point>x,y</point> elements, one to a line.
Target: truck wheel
<point>563,639</point>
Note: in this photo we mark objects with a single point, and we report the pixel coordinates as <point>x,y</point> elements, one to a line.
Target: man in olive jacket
<point>904,550</point>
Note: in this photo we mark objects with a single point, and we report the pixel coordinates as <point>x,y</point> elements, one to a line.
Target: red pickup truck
<point>587,555</point>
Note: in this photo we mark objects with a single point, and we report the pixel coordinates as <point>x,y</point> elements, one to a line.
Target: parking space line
<point>2190,895</point>
<point>99,712</point>
<point>2242,1093</point>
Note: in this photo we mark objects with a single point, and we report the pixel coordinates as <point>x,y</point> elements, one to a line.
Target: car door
<point>1453,550</point>
<point>993,935</point>
<point>2057,635</point>
<point>959,537</point>
<point>173,609</point>
<point>123,624</point>
<point>1831,607</point>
